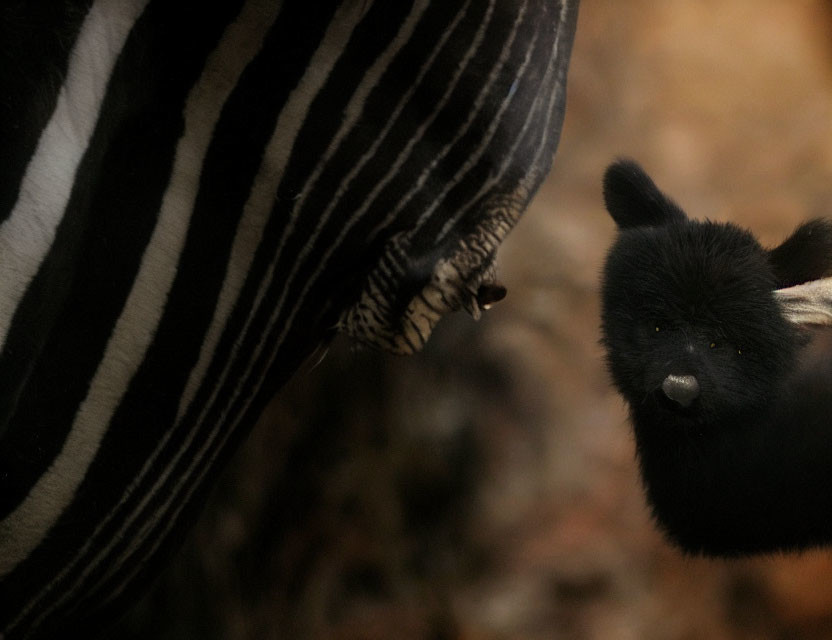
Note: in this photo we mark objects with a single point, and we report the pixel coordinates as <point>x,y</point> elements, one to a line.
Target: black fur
<point>747,465</point>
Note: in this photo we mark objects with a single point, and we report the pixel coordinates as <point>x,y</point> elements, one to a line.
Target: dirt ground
<point>486,488</point>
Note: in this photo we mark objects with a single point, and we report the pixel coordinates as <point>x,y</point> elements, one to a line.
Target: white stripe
<point>256,384</point>
<point>240,43</point>
<point>137,323</point>
<point>418,136</point>
<point>27,234</point>
<point>351,115</point>
<point>197,462</point>
<point>394,169</point>
<point>220,430</point>
<point>270,275</point>
<point>248,235</point>
<point>250,231</point>
<point>241,384</point>
<point>470,162</point>
<point>509,156</point>
<point>476,108</point>
<point>262,197</point>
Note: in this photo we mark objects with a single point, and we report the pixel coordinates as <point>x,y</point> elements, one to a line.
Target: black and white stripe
<point>194,195</point>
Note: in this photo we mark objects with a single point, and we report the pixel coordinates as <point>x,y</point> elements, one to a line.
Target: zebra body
<point>193,196</point>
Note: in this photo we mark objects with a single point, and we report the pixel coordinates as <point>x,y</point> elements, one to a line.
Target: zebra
<point>195,196</point>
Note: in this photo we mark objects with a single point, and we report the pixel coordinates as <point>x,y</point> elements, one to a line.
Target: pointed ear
<point>633,199</point>
<point>805,255</point>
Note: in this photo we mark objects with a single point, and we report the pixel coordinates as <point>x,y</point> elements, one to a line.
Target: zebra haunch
<point>193,196</point>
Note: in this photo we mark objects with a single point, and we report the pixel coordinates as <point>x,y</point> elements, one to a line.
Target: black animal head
<point>691,327</point>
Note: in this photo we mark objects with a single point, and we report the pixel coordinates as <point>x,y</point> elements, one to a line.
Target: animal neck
<point>758,482</point>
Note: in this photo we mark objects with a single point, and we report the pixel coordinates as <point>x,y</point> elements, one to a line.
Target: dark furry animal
<point>732,417</point>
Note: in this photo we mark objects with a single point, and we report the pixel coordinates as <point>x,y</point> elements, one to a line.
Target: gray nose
<point>681,389</point>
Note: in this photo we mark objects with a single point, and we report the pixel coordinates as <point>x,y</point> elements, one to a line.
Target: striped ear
<point>807,304</point>
<point>633,199</point>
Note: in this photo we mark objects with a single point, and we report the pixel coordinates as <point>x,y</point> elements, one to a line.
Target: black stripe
<point>365,45</point>
<point>309,322</point>
<point>340,277</point>
<point>526,90</point>
<point>36,37</point>
<point>149,406</point>
<point>307,329</point>
<point>532,95</point>
<point>109,220</point>
<point>154,393</point>
<point>566,26</point>
<point>356,253</point>
<point>448,121</point>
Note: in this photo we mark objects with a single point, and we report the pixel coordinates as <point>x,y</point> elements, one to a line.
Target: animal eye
<point>739,351</point>
<point>713,344</point>
<point>657,329</point>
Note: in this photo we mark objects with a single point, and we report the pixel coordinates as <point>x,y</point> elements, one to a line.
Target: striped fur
<point>195,195</point>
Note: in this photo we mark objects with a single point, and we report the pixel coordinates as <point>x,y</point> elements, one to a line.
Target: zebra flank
<point>193,197</point>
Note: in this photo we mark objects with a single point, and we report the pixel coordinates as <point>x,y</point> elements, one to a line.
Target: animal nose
<point>681,389</point>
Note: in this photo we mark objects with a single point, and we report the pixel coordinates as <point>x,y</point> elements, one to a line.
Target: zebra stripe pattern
<point>196,195</point>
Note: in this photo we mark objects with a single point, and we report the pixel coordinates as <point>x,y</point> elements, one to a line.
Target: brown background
<point>486,488</point>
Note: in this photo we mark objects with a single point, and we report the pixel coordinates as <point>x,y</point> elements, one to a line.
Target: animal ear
<point>633,199</point>
<point>805,255</point>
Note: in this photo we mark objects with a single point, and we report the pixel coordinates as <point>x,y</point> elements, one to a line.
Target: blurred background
<point>486,488</point>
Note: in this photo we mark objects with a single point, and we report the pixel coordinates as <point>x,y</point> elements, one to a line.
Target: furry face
<point>693,299</point>
<point>732,439</point>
